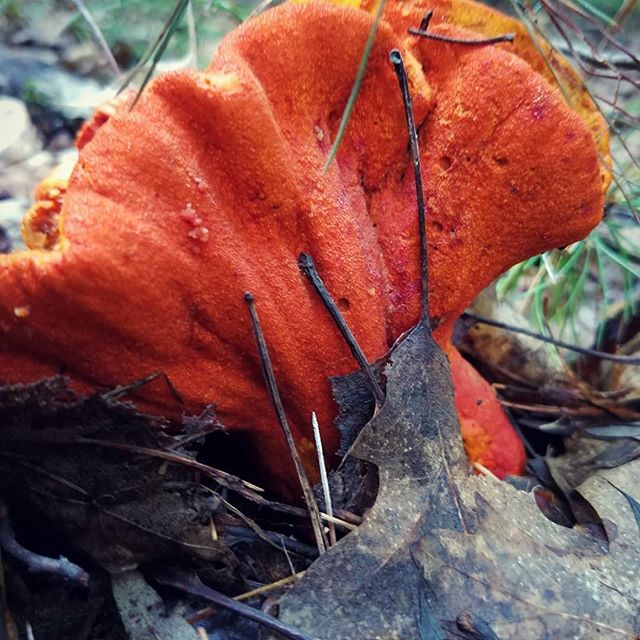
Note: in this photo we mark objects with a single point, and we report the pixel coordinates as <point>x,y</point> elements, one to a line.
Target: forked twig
<point>274,394</point>
<point>423,32</point>
<point>308,267</point>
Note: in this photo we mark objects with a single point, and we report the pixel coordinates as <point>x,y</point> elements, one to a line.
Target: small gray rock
<point>18,137</point>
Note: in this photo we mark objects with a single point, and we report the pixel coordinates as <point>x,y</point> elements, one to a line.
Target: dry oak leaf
<point>212,185</point>
<point>443,554</point>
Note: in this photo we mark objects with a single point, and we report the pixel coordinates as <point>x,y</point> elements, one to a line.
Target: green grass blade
<point>356,87</point>
<point>603,248</point>
<point>155,52</point>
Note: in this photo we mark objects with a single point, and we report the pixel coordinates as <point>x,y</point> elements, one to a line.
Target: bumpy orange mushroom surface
<point>212,185</point>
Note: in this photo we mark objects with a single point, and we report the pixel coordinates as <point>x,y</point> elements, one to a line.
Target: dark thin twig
<point>308,267</point>
<point>422,31</point>
<point>507,37</point>
<point>401,73</point>
<point>37,563</point>
<point>589,411</point>
<point>599,60</point>
<point>426,21</point>
<point>276,540</point>
<point>196,588</point>
<point>274,394</point>
<point>629,118</point>
<point>222,477</point>
<point>123,390</point>
<point>558,343</point>
<point>256,529</point>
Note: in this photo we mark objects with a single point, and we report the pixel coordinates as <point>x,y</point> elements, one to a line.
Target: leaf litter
<point>119,489</point>
<point>442,553</point>
<point>99,470</point>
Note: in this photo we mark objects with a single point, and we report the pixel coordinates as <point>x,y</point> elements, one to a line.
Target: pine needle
<point>356,87</point>
<point>155,52</point>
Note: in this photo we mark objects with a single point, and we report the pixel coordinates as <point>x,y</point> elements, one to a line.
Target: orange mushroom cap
<point>212,185</point>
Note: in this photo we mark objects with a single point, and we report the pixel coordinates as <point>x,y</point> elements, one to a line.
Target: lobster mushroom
<point>213,184</point>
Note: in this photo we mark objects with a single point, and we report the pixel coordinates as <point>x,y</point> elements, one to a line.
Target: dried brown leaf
<point>441,547</point>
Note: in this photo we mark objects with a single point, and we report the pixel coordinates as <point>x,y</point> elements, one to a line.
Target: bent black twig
<point>308,267</point>
<point>398,65</point>
<point>423,32</point>
<point>507,37</point>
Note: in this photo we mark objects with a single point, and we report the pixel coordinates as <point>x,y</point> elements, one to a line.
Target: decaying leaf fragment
<point>369,581</point>
<point>530,578</point>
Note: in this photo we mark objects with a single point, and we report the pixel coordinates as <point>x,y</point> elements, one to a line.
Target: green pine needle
<point>356,87</point>
<point>155,52</point>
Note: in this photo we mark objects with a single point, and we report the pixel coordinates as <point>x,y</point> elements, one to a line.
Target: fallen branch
<point>35,562</point>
